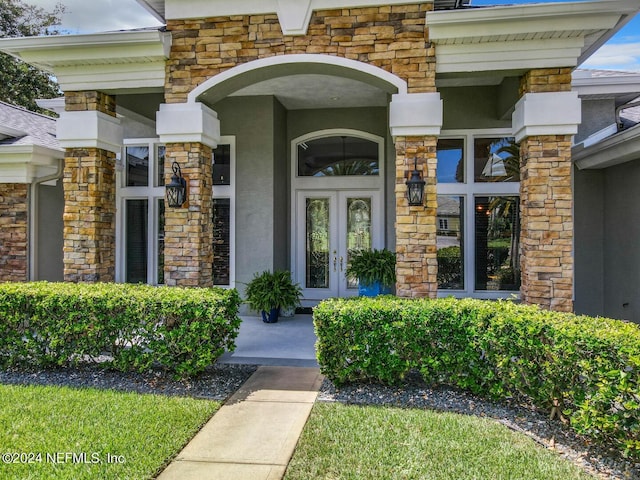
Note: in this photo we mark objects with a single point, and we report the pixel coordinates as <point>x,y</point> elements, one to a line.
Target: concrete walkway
<point>254,434</point>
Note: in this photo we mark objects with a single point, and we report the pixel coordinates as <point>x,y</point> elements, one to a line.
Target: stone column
<point>415,122</point>
<point>546,117</point>
<point>190,131</point>
<point>14,218</point>
<point>188,240</point>
<point>92,135</point>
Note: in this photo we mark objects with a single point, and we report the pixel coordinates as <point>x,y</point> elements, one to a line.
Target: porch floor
<point>289,342</point>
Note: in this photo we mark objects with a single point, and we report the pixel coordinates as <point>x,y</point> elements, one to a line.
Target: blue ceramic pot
<point>373,290</point>
<point>272,316</point>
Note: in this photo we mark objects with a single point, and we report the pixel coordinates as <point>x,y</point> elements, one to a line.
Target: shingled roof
<point>19,126</point>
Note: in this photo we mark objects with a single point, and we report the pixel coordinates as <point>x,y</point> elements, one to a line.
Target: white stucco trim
<point>585,83</point>
<point>296,59</point>
<point>89,129</point>
<point>188,122</point>
<point>24,163</point>
<point>415,114</point>
<point>552,113</point>
<point>620,148</point>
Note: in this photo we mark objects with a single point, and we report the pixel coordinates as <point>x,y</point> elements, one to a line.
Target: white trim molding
<point>415,114</point>
<point>186,123</point>
<point>89,129</point>
<point>523,36</point>
<point>548,113</point>
<point>26,163</point>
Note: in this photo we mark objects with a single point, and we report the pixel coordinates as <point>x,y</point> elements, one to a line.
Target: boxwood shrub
<point>585,370</point>
<point>127,327</point>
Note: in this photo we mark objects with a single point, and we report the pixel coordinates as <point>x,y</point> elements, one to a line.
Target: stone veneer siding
<point>89,201</point>
<point>416,249</point>
<point>546,206</point>
<point>393,38</point>
<point>14,218</point>
<point>188,241</point>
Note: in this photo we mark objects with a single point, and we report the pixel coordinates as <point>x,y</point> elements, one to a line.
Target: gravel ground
<point>414,393</point>
<point>220,381</point>
<point>217,383</point>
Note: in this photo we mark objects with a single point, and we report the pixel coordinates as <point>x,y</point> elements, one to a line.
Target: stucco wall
<point>621,240</point>
<point>473,107</point>
<point>589,241</point>
<point>251,120</point>
<point>50,228</point>
<point>281,184</point>
<point>596,114</point>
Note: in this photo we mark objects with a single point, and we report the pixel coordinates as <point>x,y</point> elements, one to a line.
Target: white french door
<point>330,225</point>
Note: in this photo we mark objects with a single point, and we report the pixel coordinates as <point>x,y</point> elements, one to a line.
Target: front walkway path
<point>254,434</point>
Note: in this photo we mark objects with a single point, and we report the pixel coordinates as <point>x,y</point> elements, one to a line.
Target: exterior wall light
<point>177,189</point>
<point>415,187</point>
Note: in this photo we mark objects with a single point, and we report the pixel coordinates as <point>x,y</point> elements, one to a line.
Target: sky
<point>622,52</point>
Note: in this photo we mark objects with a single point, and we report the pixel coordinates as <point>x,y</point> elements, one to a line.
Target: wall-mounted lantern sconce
<point>177,189</point>
<point>415,187</point>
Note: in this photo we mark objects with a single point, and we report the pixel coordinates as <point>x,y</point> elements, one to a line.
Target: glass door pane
<point>136,241</point>
<point>358,231</point>
<point>317,242</point>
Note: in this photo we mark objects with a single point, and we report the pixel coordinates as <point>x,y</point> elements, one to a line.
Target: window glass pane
<point>338,156</point>
<point>222,165</point>
<point>160,279</point>
<point>137,166</point>
<point>358,230</point>
<point>450,242</point>
<point>496,160</point>
<point>160,154</point>
<point>221,241</point>
<point>317,243</point>
<point>450,160</point>
<point>497,224</point>
<point>136,241</point>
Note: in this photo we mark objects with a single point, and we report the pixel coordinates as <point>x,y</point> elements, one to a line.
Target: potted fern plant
<point>375,271</point>
<point>268,292</point>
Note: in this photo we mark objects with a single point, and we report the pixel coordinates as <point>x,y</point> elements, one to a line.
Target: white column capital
<point>89,129</point>
<point>415,114</point>
<point>188,123</point>
<point>546,113</point>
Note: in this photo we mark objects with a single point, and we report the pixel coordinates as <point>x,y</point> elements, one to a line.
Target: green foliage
<point>449,266</point>
<point>136,326</point>
<point>22,84</point>
<point>583,369</point>
<point>371,266</point>
<point>272,290</point>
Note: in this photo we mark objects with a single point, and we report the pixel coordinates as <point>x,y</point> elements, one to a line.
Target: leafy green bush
<point>135,326</point>
<point>585,370</point>
<point>450,267</point>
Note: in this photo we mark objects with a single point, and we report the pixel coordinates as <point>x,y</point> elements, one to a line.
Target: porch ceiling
<point>312,91</point>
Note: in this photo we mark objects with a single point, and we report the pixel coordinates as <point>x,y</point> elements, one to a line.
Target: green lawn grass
<point>47,425</point>
<point>355,442</point>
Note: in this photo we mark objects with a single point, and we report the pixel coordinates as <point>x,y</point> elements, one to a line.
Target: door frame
<point>326,185</point>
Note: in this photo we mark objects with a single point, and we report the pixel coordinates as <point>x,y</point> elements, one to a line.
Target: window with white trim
<point>478,214</point>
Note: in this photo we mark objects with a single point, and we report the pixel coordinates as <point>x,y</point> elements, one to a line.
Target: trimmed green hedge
<point>56,324</point>
<point>584,369</point>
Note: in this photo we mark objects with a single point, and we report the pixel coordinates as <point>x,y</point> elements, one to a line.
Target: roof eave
<point>615,150</point>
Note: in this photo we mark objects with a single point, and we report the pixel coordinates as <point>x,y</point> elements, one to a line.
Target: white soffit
<point>605,86</point>
<point>524,36</point>
<point>101,61</point>
<point>620,148</point>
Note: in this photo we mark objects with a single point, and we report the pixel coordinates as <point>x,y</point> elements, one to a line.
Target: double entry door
<point>331,225</point>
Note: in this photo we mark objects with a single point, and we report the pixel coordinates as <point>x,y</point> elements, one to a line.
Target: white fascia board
<point>9,132</point>
<point>605,85</point>
<point>415,114</point>
<point>112,77</point>
<point>515,55</point>
<point>89,129</point>
<point>549,113</point>
<point>24,163</point>
<point>119,47</point>
<point>188,123</point>
<point>620,148</point>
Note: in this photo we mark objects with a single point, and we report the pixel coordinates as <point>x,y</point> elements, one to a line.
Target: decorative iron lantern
<point>415,187</point>
<point>177,189</point>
